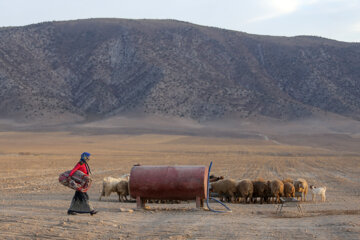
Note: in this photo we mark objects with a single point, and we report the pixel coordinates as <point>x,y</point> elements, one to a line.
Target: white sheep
<point>110,185</point>
<point>318,191</point>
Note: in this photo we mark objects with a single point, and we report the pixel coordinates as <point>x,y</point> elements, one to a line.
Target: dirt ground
<point>33,204</point>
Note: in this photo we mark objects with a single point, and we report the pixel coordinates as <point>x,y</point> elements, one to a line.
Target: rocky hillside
<point>96,68</point>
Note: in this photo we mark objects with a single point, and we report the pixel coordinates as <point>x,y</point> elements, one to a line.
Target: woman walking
<point>80,202</point>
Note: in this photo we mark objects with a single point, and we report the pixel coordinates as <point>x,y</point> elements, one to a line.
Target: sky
<point>334,19</point>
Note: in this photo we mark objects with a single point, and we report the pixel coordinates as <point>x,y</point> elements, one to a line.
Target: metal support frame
<point>288,202</point>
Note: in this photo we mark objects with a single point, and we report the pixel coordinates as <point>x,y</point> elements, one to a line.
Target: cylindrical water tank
<point>168,183</point>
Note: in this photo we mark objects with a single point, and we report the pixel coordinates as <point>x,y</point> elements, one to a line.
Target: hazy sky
<point>335,19</point>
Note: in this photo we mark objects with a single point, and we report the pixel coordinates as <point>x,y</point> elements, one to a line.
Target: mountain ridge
<point>97,68</point>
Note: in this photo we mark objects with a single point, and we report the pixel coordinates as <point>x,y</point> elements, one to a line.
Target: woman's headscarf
<point>84,157</point>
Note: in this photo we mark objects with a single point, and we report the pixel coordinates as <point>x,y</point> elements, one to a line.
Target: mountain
<point>97,68</point>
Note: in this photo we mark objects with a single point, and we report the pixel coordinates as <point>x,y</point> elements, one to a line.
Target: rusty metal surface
<point>168,182</point>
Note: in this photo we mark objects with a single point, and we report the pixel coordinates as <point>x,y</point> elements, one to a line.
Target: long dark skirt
<point>80,203</point>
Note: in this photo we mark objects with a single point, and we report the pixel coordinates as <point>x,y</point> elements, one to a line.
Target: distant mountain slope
<point>102,67</point>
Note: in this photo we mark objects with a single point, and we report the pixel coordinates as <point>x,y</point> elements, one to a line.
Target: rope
<point>207,199</point>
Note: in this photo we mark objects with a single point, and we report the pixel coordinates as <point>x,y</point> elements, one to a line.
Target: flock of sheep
<point>246,190</point>
<point>250,191</point>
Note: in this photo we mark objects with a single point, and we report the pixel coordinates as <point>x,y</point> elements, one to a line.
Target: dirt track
<point>33,204</point>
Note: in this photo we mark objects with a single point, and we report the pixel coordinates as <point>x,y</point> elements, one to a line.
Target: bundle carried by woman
<point>79,181</point>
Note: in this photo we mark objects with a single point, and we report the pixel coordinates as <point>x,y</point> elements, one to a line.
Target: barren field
<point>33,204</point>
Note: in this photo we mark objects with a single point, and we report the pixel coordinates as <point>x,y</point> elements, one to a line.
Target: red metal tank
<point>168,183</point>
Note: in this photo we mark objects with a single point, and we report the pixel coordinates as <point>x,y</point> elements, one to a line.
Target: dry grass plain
<point>33,204</point>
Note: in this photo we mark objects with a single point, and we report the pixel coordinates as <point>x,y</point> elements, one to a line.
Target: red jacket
<point>79,166</point>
